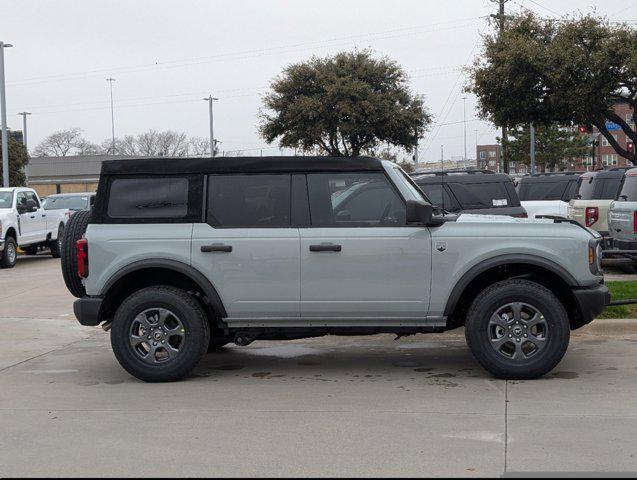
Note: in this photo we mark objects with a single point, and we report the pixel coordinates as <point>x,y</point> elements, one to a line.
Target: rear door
<point>360,263</point>
<point>249,249</point>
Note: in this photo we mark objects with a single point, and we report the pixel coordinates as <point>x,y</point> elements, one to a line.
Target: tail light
<point>82,257</point>
<point>592,215</point>
<point>635,222</point>
<point>521,215</point>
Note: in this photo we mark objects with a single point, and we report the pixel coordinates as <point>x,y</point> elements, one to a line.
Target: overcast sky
<point>166,55</point>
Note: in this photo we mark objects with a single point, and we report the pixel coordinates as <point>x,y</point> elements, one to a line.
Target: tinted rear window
<point>249,200</point>
<point>543,190</point>
<point>444,200</point>
<point>481,195</point>
<point>628,191</point>
<point>596,188</point>
<point>148,198</point>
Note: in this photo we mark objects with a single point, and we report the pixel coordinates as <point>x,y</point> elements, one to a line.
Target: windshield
<point>413,187</point>
<point>628,190</point>
<point>79,202</point>
<point>6,199</point>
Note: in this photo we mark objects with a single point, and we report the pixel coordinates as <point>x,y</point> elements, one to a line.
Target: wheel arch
<point>487,272</point>
<point>11,232</point>
<point>148,272</point>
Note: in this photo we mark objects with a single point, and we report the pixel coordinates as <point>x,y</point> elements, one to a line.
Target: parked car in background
<point>547,193</point>
<point>622,221</point>
<point>69,201</point>
<point>595,192</point>
<point>471,191</point>
<point>25,224</point>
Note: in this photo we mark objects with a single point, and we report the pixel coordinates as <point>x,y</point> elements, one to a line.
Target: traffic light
<point>630,146</point>
<point>584,129</point>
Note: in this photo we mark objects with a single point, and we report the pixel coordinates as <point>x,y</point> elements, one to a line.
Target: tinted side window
<point>148,198</point>
<point>354,200</point>
<point>21,200</point>
<point>436,194</point>
<point>33,197</point>
<point>249,201</point>
<point>542,190</point>
<point>570,191</point>
<point>585,187</point>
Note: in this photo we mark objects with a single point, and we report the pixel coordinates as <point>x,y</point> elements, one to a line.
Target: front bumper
<point>591,301</point>
<point>87,310</point>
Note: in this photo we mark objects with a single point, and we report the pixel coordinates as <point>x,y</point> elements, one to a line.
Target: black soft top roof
<point>460,177</point>
<point>553,177</point>
<point>167,166</point>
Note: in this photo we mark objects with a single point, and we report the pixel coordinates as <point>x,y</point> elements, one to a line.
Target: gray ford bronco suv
<point>182,256</point>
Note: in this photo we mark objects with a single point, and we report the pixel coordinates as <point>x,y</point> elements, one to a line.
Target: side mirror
<point>31,206</point>
<point>21,209</point>
<point>421,213</point>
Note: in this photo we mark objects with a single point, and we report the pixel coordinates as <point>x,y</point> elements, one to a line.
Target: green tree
<point>343,105</point>
<point>18,158</point>
<point>553,145</point>
<point>571,71</point>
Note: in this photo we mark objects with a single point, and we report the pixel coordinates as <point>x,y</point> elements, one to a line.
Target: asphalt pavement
<point>348,406</point>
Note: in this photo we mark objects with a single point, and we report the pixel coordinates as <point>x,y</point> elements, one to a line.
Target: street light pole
<point>24,142</point>
<point>532,127</point>
<point>3,118</point>
<point>464,109</point>
<point>211,99</point>
<point>110,80</point>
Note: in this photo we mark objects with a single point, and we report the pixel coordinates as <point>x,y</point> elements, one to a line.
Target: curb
<point>610,326</point>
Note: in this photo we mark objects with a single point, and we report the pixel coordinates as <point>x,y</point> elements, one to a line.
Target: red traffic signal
<point>584,129</point>
<point>630,146</point>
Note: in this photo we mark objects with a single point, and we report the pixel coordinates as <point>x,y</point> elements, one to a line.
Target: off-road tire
<point>510,291</point>
<point>56,245</point>
<point>189,312</point>
<point>75,228</point>
<point>5,260</point>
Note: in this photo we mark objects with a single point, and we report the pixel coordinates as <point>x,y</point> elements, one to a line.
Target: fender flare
<point>485,265</point>
<point>195,275</point>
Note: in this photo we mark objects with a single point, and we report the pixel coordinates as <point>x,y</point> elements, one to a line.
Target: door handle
<point>325,247</point>
<point>43,215</point>
<point>216,247</point>
<point>32,216</point>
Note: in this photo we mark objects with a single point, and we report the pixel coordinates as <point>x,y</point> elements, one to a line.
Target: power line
<point>246,54</point>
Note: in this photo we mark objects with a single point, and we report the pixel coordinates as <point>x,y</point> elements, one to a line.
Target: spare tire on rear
<point>75,229</point>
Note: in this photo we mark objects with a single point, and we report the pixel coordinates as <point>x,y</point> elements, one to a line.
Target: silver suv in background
<point>595,192</point>
<point>622,217</point>
<point>182,256</point>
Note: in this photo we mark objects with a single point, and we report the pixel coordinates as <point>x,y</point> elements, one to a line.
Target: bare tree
<point>199,147</point>
<point>86,147</point>
<point>60,144</point>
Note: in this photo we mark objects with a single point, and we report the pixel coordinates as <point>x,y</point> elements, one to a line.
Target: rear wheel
<point>159,334</point>
<point>10,253</point>
<point>517,329</point>
<point>56,245</point>
<point>75,229</point>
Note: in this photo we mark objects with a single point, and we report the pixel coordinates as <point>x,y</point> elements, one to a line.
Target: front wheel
<point>517,329</point>
<point>159,334</point>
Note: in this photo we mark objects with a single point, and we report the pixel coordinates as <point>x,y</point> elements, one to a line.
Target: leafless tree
<point>199,147</point>
<point>60,144</point>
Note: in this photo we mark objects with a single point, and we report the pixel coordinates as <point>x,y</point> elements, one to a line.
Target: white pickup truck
<point>24,223</point>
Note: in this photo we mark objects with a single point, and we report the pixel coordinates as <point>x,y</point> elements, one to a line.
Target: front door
<point>29,222</point>
<point>248,248</point>
<point>359,261</point>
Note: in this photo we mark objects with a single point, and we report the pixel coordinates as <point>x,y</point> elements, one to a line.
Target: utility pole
<point>3,118</point>
<point>110,80</point>
<point>24,142</point>
<point>464,109</point>
<point>416,154</point>
<point>501,18</point>
<point>532,129</point>
<point>211,99</point>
